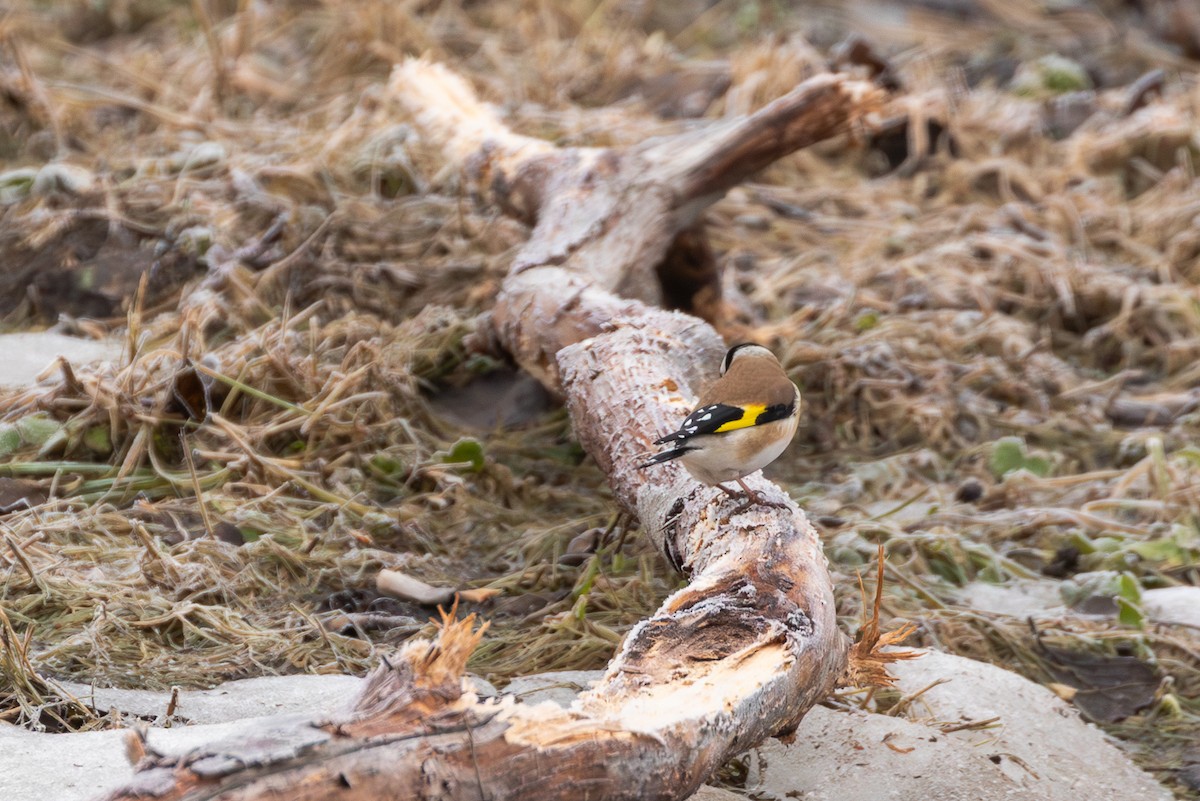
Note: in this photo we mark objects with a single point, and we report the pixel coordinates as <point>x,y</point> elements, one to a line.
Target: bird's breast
<point>735,454</point>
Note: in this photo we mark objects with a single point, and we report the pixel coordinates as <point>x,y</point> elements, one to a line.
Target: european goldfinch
<point>742,423</point>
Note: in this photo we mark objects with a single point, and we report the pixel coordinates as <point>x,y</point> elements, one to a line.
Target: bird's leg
<point>728,491</point>
<point>752,498</point>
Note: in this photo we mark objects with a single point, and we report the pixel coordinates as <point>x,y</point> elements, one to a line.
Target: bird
<point>741,424</point>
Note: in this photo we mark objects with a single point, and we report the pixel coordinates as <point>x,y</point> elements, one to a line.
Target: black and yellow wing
<point>718,418</point>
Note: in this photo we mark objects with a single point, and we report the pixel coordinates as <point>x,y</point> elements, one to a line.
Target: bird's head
<point>744,353</point>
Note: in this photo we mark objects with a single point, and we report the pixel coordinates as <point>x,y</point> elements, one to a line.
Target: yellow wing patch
<point>750,413</point>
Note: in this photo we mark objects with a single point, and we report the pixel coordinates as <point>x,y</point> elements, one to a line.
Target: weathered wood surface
<point>739,654</point>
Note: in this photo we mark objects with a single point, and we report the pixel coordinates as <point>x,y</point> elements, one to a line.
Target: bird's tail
<point>665,456</point>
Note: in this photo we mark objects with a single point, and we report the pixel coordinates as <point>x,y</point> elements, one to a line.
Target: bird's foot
<point>757,499</point>
<point>751,498</point>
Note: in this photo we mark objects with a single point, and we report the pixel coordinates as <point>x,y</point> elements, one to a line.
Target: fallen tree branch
<point>738,655</point>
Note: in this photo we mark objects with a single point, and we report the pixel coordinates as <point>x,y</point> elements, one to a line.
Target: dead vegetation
<point>989,302</point>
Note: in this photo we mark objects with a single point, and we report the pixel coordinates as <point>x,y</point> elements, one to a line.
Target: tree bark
<point>738,655</point>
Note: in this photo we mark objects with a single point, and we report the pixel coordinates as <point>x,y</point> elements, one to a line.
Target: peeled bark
<point>738,655</point>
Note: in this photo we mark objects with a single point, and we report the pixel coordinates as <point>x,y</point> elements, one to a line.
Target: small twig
<point>1139,92</point>
<point>969,725</point>
<point>887,740</point>
<point>172,703</point>
<point>25,563</point>
<point>907,700</point>
<point>321,632</point>
<point>70,382</point>
<point>1021,762</point>
<point>196,488</point>
<point>253,392</point>
<point>152,549</point>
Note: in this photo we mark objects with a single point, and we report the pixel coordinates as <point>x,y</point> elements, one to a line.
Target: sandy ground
<point>981,734</point>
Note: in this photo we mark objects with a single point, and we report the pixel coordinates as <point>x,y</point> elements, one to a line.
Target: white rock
<point>235,700</point>
<point>59,177</point>
<point>82,766</point>
<point>707,793</point>
<point>27,355</point>
<point>1030,598</point>
<point>559,686</point>
<point>1039,749</point>
<point>1178,605</point>
<point>1015,598</point>
<point>858,756</point>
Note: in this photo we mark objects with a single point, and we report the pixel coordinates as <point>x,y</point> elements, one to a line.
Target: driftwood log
<point>741,653</point>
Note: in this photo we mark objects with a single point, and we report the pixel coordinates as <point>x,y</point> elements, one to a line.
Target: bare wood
<point>739,654</point>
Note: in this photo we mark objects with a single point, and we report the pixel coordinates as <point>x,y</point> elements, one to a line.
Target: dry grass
<point>1027,282</point>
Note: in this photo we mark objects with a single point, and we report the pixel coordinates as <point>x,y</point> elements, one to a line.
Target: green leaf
<point>1164,552</point>
<point>1128,588</point>
<point>1081,542</point>
<point>98,440</point>
<point>10,439</point>
<point>386,464</point>
<point>584,585</point>
<point>1191,453</point>
<point>866,321</point>
<point>250,534</point>
<point>467,452</point>
<point>37,429</point>
<point>945,567</point>
<point>991,573</point>
<point>1170,706</point>
<point>16,184</point>
<point>1008,454</point>
<point>1051,74</point>
<point>1129,613</point>
<point>1038,466</point>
